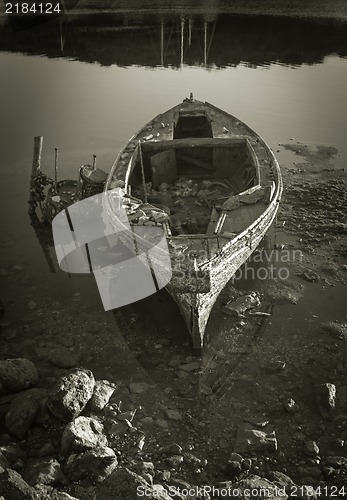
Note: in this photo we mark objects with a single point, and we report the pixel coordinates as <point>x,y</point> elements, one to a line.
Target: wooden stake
<point>38,143</point>
<point>56,168</point>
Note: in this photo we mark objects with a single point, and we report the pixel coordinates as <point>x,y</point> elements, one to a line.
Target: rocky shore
<point>91,412</point>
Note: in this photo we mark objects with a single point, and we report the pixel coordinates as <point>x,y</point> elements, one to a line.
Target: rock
<point>94,465</point>
<point>123,483</point>
<point>31,305</point>
<point>326,398</point>
<point>311,449</point>
<point>23,411</point>
<point>71,394</point>
<point>190,367</point>
<point>336,462</point>
<point>138,387</point>
<point>45,492</point>
<point>127,415</point>
<point>280,477</point>
<point>249,439</point>
<point>309,275</point>
<point>291,406</point>
<point>103,391</point>
<point>236,457</point>
<point>171,449</point>
<point>64,358</point>
<point>174,461</point>
<point>284,291</point>
<point>173,415</point>
<point>14,487</point>
<point>4,463</point>
<point>17,375</point>
<point>263,487</point>
<point>275,366</point>
<point>335,329</point>
<point>240,305</point>
<point>83,433</point>
<point>43,471</point>
<point>233,468</point>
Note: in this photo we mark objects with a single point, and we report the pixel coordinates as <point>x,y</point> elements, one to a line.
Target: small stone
<point>236,457</point>
<point>17,375</point>
<point>174,461</point>
<point>173,415</point>
<point>31,305</point>
<point>326,398</point>
<point>291,406</point>
<point>63,357</point>
<point>311,449</point>
<point>336,462</point>
<point>138,387</point>
<point>190,367</point>
<point>172,449</point>
<point>233,468</point>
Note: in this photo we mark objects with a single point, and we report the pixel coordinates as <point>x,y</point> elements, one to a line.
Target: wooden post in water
<point>36,167</point>
<point>56,169</point>
<point>38,143</point>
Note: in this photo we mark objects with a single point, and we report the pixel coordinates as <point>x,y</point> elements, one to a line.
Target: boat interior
<point>191,177</point>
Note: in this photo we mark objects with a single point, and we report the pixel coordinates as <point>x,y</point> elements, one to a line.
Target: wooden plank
<point>208,142</point>
<point>195,161</point>
<point>164,168</point>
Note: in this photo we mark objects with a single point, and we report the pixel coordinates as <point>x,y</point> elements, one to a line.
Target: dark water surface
<point>88,82</point>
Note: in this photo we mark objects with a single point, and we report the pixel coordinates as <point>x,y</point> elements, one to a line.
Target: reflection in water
<point>171,39</point>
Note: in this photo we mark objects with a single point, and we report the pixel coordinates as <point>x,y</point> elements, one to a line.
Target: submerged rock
<point>17,375</point>
<point>71,394</point>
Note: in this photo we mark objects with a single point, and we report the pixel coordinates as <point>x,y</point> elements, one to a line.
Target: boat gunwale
<point>272,163</point>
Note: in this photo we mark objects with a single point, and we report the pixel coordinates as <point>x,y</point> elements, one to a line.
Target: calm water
<point>87,84</point>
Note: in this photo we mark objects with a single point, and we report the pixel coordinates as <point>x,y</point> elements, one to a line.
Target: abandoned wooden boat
<point>213,186</point>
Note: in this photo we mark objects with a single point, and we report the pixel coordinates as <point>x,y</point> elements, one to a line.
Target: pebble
<point>31,305</point>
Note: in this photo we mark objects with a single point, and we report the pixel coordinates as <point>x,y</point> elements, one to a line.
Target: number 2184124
<point>32,8</point>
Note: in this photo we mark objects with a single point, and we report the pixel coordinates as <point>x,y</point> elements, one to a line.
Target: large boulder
<point>94,465</point>
<point>17,375</point>
<point>23,411</point>
<point>84,433</point>
<point>71,394</point>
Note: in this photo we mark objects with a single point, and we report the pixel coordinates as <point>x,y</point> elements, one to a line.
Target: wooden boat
<point>214,187</point>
